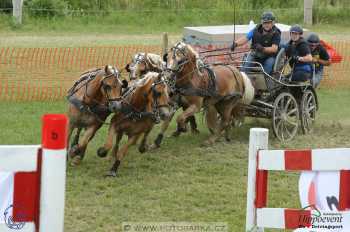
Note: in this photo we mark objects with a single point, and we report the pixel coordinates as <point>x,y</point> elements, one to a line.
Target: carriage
<point>289,105</point>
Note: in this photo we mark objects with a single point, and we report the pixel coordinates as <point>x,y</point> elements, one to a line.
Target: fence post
<point>308,12</point>
<point>258,139</point>
<point>17,10</point>
<point>164,43</point>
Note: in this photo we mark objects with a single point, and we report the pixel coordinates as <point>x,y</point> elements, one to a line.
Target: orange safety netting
<point>31,74</point>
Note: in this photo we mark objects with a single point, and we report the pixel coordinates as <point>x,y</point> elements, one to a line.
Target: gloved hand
<point>233,46</point>
<point>295,59</point>
<point>259,48</point>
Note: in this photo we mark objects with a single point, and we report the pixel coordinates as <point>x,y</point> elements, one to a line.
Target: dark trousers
<point>301,75</point>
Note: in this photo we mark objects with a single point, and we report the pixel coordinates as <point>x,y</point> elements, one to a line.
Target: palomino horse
<point>144,105</point>
<point>146,62</point>
<point>143,63</point>
<point>219,88</point>
<point>92,98</point>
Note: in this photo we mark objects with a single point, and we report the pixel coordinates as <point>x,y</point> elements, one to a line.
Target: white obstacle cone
<point>53,172</point>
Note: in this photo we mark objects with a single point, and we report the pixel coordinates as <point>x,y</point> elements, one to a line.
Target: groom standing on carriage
<point>265,38</point>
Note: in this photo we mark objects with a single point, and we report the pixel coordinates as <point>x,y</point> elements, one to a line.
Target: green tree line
<point>131,15</point>
<point>172,4</point>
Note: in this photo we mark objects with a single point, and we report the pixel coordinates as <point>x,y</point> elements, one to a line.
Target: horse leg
<point>119,136</point>
<point>80,148</point>
<point>76,137</point>
<point>193,124</point>
<point>181,119</point>
<point>160,136</point>
<point>225,111</point>
<point>121,153</point>
<point>143,146</point>
<point>211,118</point>
<point>226,115</point>
<point>103,151</point>
<point>192,121</point>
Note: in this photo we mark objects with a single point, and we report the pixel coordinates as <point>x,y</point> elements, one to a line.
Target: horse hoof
<point>111,174</point>
<point>76,160</point>
<point>74,151</point>
<point>207,143</point>
<point>158,140</point>
<point>143,149</point>
<point>228,139</point>
<point>154,146</point>
<point>195,131</point>
<point>102,152</point>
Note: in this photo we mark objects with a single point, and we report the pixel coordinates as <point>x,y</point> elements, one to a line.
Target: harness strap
<point>95,110</point>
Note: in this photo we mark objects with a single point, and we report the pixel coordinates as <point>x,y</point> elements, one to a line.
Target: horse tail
<point>249,90</point>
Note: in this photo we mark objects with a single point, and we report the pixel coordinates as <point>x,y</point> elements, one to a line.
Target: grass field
<point>179,182</point>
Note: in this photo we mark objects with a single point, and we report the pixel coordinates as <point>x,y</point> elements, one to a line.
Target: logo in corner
<point>9,220</point>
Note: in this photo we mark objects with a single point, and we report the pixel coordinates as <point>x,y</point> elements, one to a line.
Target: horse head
<point>157,94</point>
<point>111,87</point>
<point>181,55</point>
<point>143,63</point>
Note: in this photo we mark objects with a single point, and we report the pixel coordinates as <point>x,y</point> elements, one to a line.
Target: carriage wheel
<point>280,61</point>
<point>308,111</point>
<point>285,117</point>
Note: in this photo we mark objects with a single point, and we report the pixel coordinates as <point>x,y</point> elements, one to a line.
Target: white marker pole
<point>258,139</point>
<point>53,172</point>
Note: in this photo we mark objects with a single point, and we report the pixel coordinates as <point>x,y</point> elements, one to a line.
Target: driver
<point>266,38</point>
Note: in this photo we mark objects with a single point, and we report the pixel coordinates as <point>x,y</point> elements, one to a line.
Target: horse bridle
<point>138,59</point>
<point>155,94</point>
<point>181,63</point>
<point>106,87</point>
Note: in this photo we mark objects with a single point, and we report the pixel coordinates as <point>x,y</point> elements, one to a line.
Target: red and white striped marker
<point>32,181</point>
<point>262,160</point>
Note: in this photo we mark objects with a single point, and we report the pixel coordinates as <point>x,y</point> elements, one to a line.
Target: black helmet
<point>313,38</point>
<point>296,28</point>
<point>267,17</point>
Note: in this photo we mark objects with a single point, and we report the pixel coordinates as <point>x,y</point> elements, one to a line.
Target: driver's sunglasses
<point>313,44</point>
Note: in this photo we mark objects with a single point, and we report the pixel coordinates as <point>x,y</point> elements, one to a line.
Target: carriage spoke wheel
<point>308,110</point>
<point>285,117</point>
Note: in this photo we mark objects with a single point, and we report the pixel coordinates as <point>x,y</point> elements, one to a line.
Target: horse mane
<point>84,78</point>
<point>142,86</point>
<point>155,61</point>
<point>195,58</point>
<point>193,53</point>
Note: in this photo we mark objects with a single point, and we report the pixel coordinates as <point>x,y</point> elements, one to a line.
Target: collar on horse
<point>134,114</point>
<point>210,91</point>
<point>98,110</point>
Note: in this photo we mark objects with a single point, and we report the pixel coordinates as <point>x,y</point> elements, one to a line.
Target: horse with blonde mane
<point>146,62</point>
<point>142,63</point>
<point>92,98</point>
<point>144,104</point>
<point>220,88</point>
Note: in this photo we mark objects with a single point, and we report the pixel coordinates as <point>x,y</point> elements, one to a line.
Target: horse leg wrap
<point>159,139</point>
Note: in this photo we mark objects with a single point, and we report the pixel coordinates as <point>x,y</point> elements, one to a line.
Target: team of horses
<point>154,90</point>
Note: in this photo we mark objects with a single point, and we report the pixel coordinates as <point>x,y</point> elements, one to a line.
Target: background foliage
<point>176,13</point>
